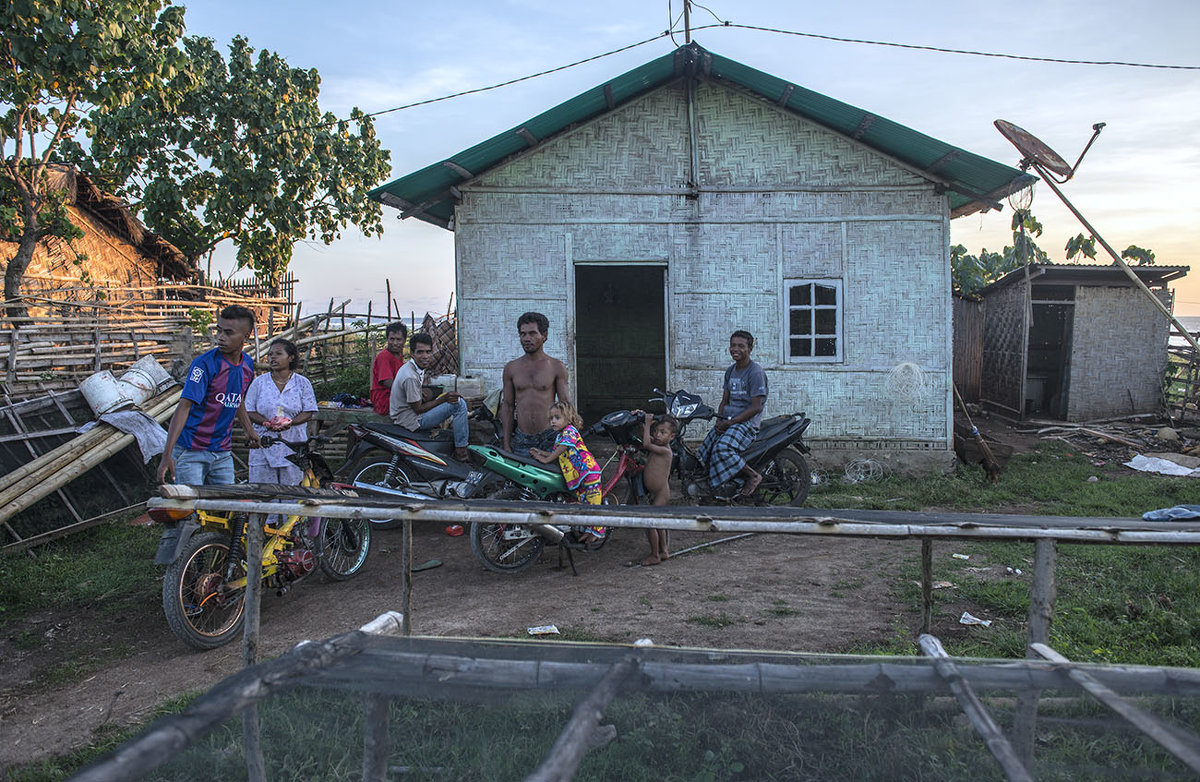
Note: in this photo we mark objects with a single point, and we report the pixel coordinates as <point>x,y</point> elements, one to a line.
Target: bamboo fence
<point>383,665</point>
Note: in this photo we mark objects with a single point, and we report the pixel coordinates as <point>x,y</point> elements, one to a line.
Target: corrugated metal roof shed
<point>973,182</point>
<point>1087,274</point>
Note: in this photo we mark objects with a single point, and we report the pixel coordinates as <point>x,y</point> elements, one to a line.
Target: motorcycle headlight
<point>683,411</point>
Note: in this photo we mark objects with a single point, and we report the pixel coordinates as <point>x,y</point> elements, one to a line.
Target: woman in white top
<point>280,403</point>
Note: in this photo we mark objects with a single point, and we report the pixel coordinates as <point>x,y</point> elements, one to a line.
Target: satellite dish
<point>1033,149</point>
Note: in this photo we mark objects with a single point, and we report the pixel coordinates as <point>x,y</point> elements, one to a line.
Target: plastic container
<point>150,366</point>
<point>468,385</point>
<point>137,385</point>
<point>104,393</point>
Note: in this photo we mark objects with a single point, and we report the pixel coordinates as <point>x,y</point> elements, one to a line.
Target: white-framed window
<point>813,314</point>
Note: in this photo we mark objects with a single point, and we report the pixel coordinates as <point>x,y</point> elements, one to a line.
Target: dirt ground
<point>819,594</point>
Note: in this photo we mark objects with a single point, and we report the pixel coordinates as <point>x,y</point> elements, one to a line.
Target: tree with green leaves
<point>239,150</point>
<point>62,60</point>
<point>1086,246</point>
<point>970,273</point>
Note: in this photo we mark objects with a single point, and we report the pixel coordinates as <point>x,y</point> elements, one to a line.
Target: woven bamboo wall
<point>1004,341</point>
<point>1118,353</point>
<point>784,199</point>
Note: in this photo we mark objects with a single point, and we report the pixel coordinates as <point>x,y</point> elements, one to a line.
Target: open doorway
<point>620,337</point>
<point>1048,371</point>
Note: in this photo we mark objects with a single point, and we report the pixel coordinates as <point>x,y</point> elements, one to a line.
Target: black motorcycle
<point>391,461</point>
<point>777,452</point>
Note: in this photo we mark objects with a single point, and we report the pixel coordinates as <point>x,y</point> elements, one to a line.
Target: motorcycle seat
<point>395,430</point>
<point>772,425</point>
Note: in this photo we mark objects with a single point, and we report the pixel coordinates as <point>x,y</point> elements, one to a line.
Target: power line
<point>945,50</point>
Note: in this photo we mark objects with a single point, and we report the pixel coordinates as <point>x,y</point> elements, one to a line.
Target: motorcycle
<point>777,452</point>
<point>390,461</point>
<point>204,587</point>
<point>504,547</point>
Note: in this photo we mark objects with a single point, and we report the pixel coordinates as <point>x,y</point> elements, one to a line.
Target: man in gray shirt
<point>408,407</point>
<point>738,417</point>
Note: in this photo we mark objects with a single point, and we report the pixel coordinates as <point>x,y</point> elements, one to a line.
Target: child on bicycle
<point>579,467</point>
<point>657,434</point>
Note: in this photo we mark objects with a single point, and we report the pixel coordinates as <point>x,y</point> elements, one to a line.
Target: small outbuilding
<point>654,214</point>
<point>1072,342</point>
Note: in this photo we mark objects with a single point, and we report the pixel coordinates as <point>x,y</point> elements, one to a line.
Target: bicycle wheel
<point>385,475</point>
<point>787,478</point>
<point>196,609</point>
<point>342,547</point>
<point>505,548</point>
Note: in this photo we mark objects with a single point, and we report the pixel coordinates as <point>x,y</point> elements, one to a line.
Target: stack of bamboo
<point>41,477</point>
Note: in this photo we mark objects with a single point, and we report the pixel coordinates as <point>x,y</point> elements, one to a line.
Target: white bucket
<point>161,377</point>
<point>137,385</point>
<point>104,393</point>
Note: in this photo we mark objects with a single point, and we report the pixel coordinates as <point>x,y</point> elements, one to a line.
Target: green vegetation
<point>311,735</point>
<point>1138,605</point>
<point>105,569</point>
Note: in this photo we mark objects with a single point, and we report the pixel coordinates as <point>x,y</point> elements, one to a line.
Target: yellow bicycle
<point>204,587</point>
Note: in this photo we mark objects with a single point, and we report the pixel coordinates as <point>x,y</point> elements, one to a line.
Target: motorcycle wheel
<point>376,474</point>
<point>342,547</point>
<point>191,594</point>
<point>501,555</point>
<point>789,479</point>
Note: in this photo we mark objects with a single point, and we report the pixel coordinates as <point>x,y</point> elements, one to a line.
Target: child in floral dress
<point>579,467</point>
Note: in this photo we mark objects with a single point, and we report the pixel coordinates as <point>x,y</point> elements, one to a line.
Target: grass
<point>1119,604</point>
<point>317,735</point>
<point>106,569</point>
<point>714,621</point>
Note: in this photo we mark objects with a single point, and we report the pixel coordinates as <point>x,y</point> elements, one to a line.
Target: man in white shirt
<point>409,408</point>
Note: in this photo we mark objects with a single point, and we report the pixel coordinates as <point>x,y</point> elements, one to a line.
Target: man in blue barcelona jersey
<point>200,435</point>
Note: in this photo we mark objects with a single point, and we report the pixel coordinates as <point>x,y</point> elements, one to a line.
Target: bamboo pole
<point>406,562</point>
<point>1179,742</point>
<point>251,736</point>
<point>377,742</point>
<point>397,665</point>
<point>564,757</point>
<point>926,584</point>
<point>983,723</point>
<point>798,521</point>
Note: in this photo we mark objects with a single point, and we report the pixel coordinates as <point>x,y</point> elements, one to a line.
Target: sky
<point>1139,184</point>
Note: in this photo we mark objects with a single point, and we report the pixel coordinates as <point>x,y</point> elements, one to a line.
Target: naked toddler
<point>657,434</point>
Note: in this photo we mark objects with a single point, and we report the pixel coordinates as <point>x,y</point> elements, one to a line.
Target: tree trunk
<point>15,273</point>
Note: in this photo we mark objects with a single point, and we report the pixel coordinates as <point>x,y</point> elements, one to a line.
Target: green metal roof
<point>973,182</point>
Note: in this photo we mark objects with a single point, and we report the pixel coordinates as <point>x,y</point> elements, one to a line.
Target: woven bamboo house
<point>1072,341</point>
<point>116,255</point>
<point>652,215</point>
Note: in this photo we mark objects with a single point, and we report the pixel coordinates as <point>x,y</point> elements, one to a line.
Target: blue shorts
<point>203,468</point>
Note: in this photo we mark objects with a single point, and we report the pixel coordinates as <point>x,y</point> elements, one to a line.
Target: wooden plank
<point>62,532</point>
<point>1179,742</point>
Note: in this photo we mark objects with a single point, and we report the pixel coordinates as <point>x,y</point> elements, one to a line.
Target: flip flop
<point>430,565</point>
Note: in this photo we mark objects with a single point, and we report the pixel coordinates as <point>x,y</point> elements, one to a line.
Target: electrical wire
<point>945,50</point>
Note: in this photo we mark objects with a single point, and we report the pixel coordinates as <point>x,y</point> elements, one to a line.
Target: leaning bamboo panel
<point>50,472</point>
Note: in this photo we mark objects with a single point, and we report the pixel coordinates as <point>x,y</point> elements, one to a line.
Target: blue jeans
<point>457,410</point>
<point>201,468</point>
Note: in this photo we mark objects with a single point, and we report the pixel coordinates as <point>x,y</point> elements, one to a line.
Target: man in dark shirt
<point>738,417</point>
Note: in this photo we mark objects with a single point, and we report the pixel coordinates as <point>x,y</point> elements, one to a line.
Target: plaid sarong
<point>722,451</point>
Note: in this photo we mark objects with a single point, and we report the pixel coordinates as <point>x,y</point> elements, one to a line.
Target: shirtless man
<point>532,383</point>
